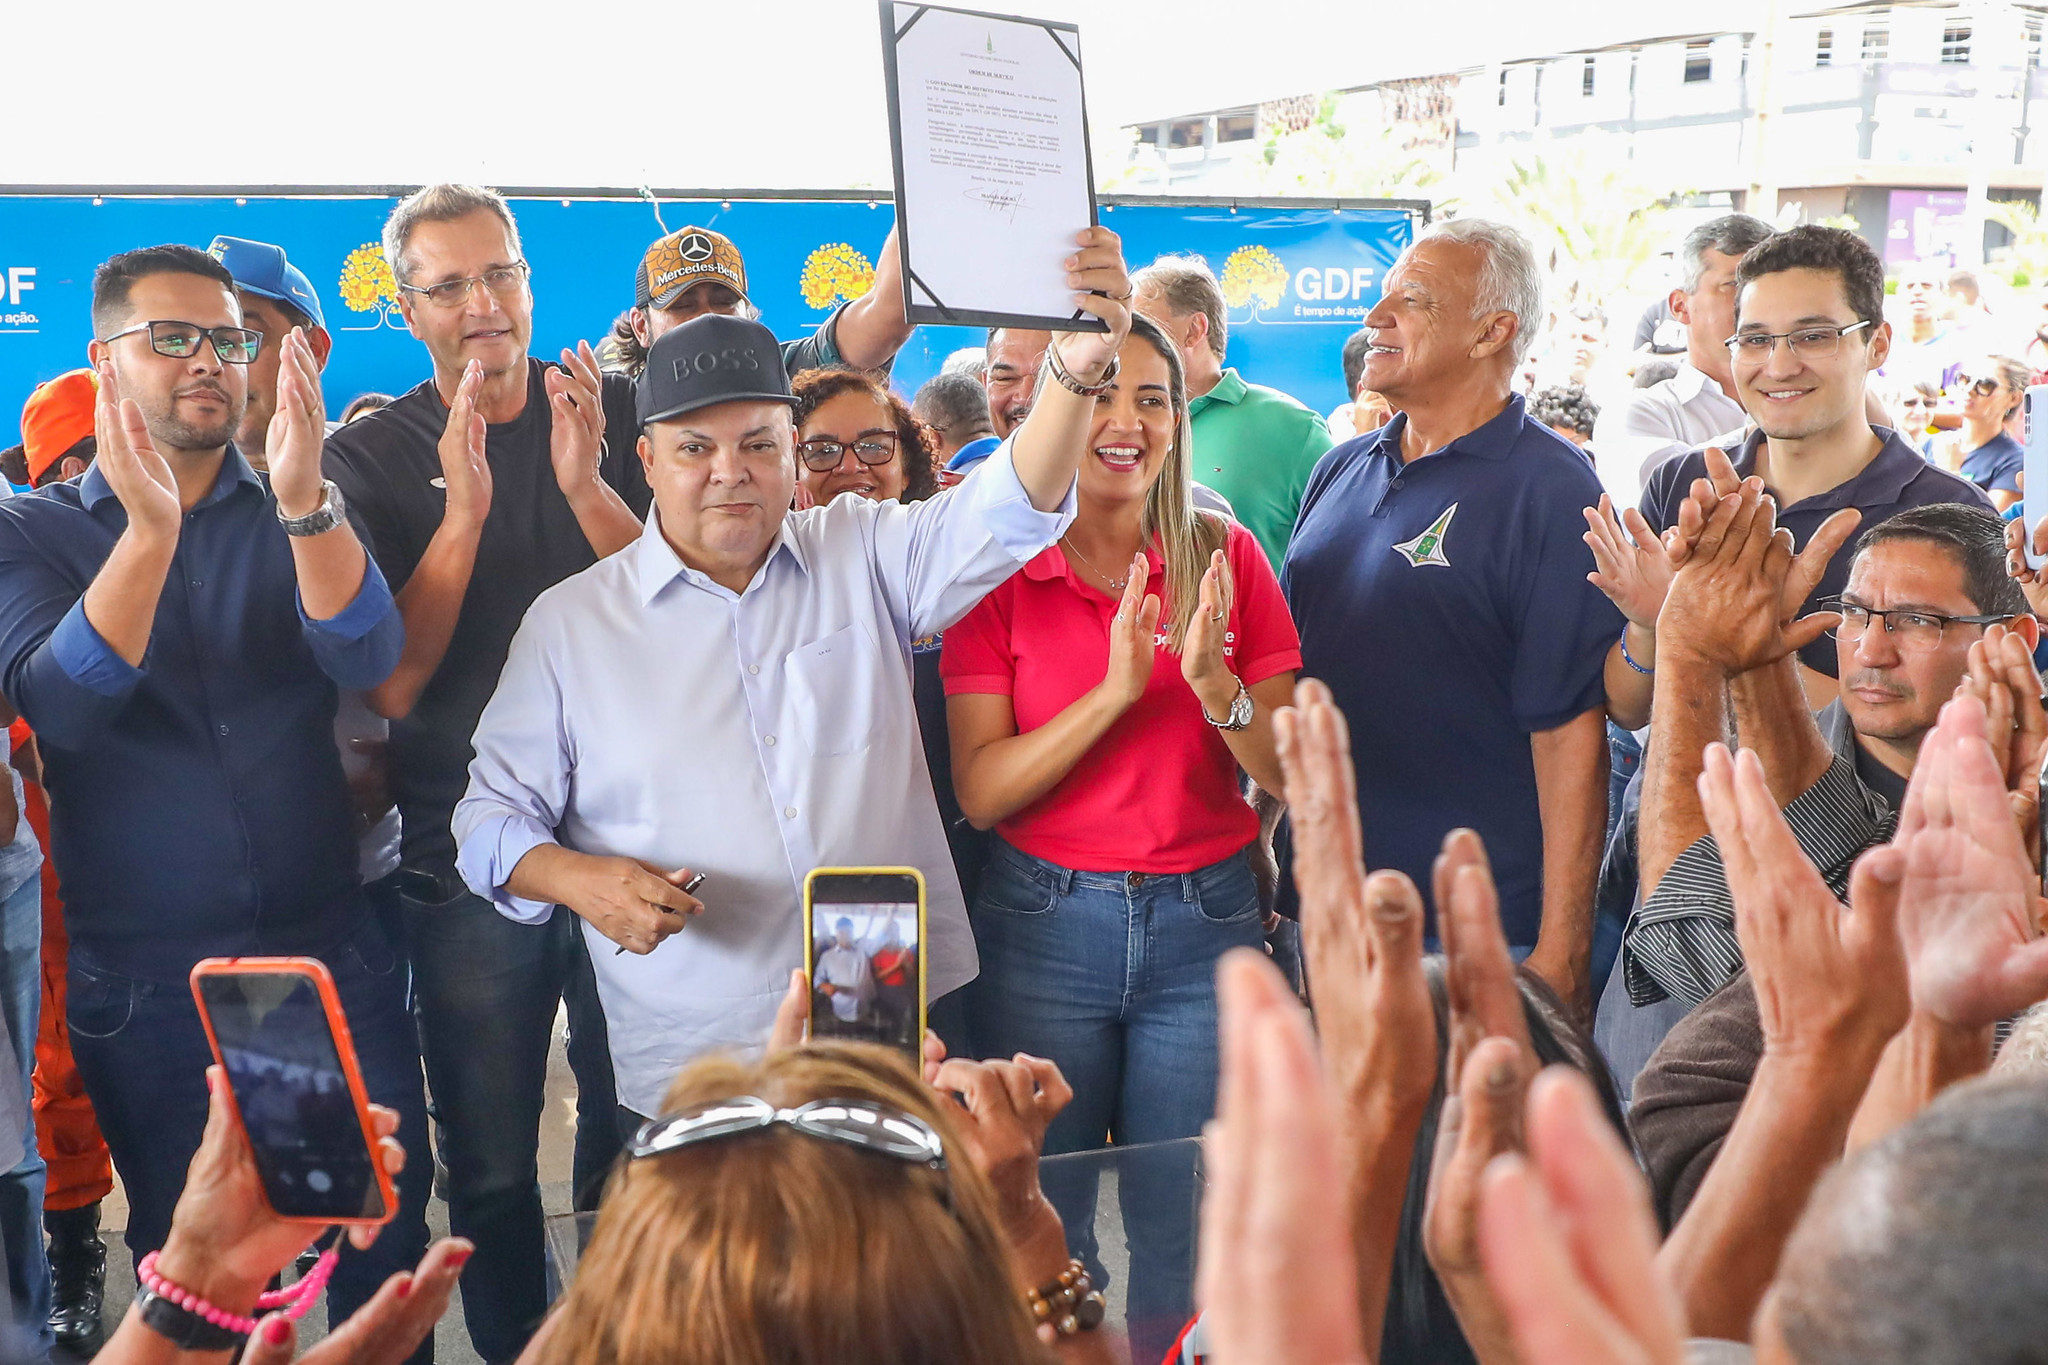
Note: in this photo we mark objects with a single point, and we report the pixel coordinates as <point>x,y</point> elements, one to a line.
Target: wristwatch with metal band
<point>1240,711</point>
<point>324,518</point>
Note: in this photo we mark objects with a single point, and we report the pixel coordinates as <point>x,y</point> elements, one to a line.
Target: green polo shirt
<point>1257,447</point>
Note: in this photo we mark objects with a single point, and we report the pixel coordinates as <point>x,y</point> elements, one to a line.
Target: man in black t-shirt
<point>695,270</point>
<point>481,488</point>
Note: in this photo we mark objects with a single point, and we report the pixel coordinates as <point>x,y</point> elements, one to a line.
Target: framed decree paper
<point>989,132</point>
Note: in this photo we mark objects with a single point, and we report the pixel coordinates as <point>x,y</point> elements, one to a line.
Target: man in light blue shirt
<point>731,694</point>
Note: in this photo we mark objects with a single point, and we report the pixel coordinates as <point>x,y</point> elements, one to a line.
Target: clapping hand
<point>2001,676</point>
<point>465,469</point>
<point>1361,935</point>
<point>1968,911</point>
<point>1633,569</point>
<point>1202,661</point>
<point>1278,1280</point>
<point>575,401</point>
<point>1002,1110</point>
<point>297,429</point>
<point>1830,978</point>
<point>1569,1244</point>
<point>1131,638</point>
<point>131,464</point>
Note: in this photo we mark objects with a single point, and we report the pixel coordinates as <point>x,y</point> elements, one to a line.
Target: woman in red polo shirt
<point>1099,728</point>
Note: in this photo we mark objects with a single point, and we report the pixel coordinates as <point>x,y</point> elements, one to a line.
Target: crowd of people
<point>1553,849</point>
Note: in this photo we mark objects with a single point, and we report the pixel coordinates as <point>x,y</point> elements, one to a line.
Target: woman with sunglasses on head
<point>1102,703</point>
<point>1993,389</point>
<point>823,1206</point>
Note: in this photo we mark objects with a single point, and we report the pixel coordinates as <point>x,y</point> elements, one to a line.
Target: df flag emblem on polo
<point>1428,548</point>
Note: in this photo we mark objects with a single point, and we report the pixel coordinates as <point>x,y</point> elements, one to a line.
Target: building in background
<point>1910,119</point>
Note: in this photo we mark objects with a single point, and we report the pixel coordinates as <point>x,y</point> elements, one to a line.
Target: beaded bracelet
<point>294,1299</point>
<point>1069,1304</point>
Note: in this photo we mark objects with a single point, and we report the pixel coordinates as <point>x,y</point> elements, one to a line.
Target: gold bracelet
<point>1065,379</point>
<point>1069,1304</point>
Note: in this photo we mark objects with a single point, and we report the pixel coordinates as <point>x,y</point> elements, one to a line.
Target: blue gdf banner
<point>1298,280</point>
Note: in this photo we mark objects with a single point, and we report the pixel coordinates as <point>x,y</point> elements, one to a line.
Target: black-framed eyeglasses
<point>855,1123</point>
<point>180,340</point>
<point>503,282</point>
<point>1808,343</point>
<point>1912,631</point>
<point>819,456</point>
<point>1916,402</point>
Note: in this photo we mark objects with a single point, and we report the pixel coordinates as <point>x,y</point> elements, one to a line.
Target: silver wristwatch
<point>324,518</point>
<point>1240,711</point>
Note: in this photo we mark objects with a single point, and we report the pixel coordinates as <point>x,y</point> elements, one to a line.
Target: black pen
<point>689,888</point>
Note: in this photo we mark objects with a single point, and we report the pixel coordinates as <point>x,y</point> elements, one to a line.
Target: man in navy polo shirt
<point>1439,583</point>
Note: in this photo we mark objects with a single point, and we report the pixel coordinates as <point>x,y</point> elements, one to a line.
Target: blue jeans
<point>486,990</point>
<point>142,1052</point>
<point>1113,976</point>
<point>21,1189</point>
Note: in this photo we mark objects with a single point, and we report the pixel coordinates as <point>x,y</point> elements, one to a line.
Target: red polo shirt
<point>1159,791</point>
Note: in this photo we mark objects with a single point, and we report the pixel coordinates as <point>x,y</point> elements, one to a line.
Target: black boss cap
<point>709,360</point>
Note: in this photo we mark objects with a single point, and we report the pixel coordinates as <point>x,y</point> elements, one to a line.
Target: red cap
<point>57,416</point>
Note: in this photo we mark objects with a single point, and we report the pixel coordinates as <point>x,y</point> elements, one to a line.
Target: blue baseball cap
<point>262,269</point>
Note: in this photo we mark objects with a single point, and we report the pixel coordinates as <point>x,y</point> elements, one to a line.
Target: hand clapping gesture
<point>465,470</point>
<point>1630,563</point>
<point>133,467</point>
<point>297,429</point>
<point>1131,635</point>
<point>575,401</point>
<point>1969,913</point>
<point>2001,676</point>
<point>1202,662</point>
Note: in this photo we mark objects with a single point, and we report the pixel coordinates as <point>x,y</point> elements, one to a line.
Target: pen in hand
<point>689,888</point>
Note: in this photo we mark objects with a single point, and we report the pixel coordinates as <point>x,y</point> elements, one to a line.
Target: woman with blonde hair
<point>1100,729</point>
<point>824,1206</point>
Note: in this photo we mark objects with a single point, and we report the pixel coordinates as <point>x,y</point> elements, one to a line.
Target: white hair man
<point>1439,581</point>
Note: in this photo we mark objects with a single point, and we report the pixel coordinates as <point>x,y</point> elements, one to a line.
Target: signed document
<point>993,178</point>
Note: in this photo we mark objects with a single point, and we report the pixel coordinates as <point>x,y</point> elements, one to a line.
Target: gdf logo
<point>15,281</point>
<point>695,247</point>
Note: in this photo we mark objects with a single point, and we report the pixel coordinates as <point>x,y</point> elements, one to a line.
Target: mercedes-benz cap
<point>687,256</point>
<point>709,360</point>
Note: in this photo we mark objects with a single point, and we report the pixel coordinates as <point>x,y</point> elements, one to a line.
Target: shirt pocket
<point>835,691</point>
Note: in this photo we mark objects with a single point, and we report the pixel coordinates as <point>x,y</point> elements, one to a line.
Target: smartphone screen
<point>284,1067</point>
<point>2034,492</point>
<point>866,935</point>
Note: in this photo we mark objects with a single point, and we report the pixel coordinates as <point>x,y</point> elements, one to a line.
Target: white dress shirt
<point>647,712</point>
<point>1632,437</point>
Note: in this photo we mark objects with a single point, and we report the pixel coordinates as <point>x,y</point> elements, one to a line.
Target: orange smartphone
<point>277,1029</point>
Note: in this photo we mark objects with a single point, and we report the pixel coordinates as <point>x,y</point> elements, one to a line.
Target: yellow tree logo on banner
<point>835,271</point>
<point>1253,276</point>
<point>368,286</point>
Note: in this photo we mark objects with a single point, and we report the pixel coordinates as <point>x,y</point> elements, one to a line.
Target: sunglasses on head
<point>864,1124</point>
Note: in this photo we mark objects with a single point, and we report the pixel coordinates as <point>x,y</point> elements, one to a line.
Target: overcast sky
<point>775,94</point>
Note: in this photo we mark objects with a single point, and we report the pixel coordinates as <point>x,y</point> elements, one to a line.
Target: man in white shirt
<point>845,976</point>
<point>731,694</point>
<point>1695,407</point>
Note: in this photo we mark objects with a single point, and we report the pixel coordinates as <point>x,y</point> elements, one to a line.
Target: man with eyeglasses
<point>484,486</point>
<point>174,626</point>
<point>1809,333</point>
<point>1926,605</point>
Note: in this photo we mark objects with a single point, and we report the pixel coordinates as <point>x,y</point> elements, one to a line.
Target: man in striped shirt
<point>1927,606</point>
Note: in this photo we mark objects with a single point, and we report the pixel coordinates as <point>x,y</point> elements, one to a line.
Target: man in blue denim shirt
<point>175,627</point>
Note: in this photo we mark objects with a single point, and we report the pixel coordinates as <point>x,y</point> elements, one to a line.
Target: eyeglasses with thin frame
<point>877,448</point>
<point>503,282</point>
<point>1808,343</point>
<point>1914,632</point>
<point>854,1123</point>
<point>180,340</point>
<point>1916,402</point>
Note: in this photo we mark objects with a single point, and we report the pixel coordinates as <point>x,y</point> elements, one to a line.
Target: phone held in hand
<point>276,1027</point>
<point>2034,496</point>
<point>864,931</point>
